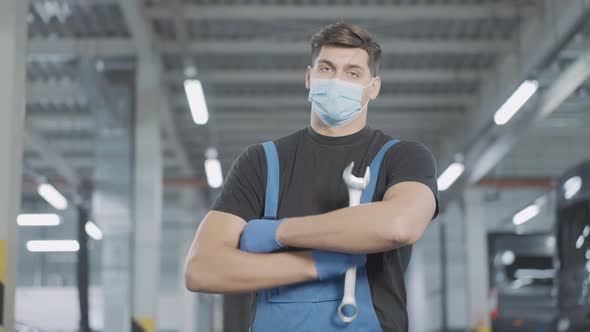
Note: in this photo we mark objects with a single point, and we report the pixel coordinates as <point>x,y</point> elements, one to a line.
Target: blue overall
<point>312,306</point>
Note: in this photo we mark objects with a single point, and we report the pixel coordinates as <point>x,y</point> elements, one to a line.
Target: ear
<point>375,87</point>
<point>307,76</point>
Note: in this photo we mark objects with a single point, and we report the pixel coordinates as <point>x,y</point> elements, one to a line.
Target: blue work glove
<point>260,236</point>
<point>330,264</point>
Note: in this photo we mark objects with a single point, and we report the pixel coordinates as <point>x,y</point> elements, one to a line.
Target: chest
<point>311,180</point>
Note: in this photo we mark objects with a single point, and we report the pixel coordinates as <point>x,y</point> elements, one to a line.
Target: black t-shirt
<point>311,183</point>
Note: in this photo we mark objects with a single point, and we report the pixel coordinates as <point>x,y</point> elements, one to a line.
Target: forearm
<point>365,228</point>
<point>233,271</point>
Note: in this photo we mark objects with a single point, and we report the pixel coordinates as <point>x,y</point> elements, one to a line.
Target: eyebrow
<point>328,62</point>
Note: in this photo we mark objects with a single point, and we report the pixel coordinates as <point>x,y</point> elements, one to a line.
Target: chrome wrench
<point>355,187</point>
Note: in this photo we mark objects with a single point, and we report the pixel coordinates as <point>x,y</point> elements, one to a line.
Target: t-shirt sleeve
<point>242,192</point>
<point>412,161</point>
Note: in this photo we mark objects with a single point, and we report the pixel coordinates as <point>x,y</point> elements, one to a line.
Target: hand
<point>260,236</point>
<point>330,264</point>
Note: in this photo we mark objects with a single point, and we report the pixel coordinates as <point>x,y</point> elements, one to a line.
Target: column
<point>191,305</point>
<point>148,200</point>
<point>13,34</point>
<point>417,292</point>
<point>111,206</point>
<point>476,260</point>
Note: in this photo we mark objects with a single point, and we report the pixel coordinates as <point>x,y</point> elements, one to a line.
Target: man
<point>295,259</point>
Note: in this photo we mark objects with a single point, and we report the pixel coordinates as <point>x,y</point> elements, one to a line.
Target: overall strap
<point>272,180</point>
<point>367,196</point>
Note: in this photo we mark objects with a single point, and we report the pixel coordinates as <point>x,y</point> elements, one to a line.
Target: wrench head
<point>353,182</point>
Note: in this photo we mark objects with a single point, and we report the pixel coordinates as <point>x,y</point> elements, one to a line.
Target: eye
<point>325,69</point>
<point>353,74</point>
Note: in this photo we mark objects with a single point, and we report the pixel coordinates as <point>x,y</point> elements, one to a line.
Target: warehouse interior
<point>121,118</point>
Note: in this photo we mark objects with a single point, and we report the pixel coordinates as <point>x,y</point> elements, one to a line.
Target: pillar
<point>476,260</point>
<point>417,292</point>
<point>111,206</point>
<point>13,34</point>
<point>191,304</point>
<point>148,200</point>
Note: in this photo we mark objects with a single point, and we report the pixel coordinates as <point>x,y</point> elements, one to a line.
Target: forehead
<point>341,56</point>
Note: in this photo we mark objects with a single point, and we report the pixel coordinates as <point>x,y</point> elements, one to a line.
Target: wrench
<point>355,187</point>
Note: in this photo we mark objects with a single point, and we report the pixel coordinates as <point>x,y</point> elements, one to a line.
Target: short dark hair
<point>347,35</point>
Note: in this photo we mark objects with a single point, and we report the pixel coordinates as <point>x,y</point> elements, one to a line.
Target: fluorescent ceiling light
<point>572,186</point>
<point>213,171</point>
<point>580,242</point>
<point>525,214</point>
<point>450,175</point>
<point>196,101</point>
<point>93,230</point>
<point>513,104</point>
<point>53,246</point>
<point>42,219</point>
<point>52,196</point>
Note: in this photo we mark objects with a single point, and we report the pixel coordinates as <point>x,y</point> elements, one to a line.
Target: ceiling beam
<point>388,46</point>
<point>261,101</point>
<point>81,47</point>
<point>82,3</point>
<point>325,12</point>
<point>122,47</point>
<point>55,91</point>
<point>82,162</point>
<point>70,91</point>
<point>298,76</point>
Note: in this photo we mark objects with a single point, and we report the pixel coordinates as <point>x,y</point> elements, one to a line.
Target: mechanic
<point>281,226</point>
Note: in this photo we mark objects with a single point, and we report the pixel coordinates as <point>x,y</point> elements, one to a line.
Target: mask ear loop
<point>367,103</point>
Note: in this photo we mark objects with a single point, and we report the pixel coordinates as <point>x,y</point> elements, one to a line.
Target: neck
<point>348,129</point>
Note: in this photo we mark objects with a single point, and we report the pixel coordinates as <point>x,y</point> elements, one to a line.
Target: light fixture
<point>580,242</point>
<point>513,104</point>
<point>213,168</point>
<point>93,230</point>
<point>508,257</point>
<point>53,246</point>
<point>40,219</point>
<point>196,101</point>
<point>450,175</point>
<point>525,214</point>
<point>572,186</point>
<point>52,196</point>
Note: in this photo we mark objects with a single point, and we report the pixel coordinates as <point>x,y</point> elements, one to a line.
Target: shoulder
<point>411,148</point>
<point>255,155</point>
<point>290,139</point>
<point>403,147</point>
<point>411,155</point>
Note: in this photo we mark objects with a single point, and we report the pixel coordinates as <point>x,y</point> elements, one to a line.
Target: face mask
<point>336,102</point>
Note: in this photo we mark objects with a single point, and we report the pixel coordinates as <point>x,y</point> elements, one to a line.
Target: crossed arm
<point>215,264</point>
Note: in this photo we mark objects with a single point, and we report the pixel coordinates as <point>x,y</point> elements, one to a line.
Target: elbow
<point>400,234</point>
<point>194,276</point>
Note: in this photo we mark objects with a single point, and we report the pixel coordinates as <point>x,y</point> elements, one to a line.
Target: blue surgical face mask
<point>335,101</point>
